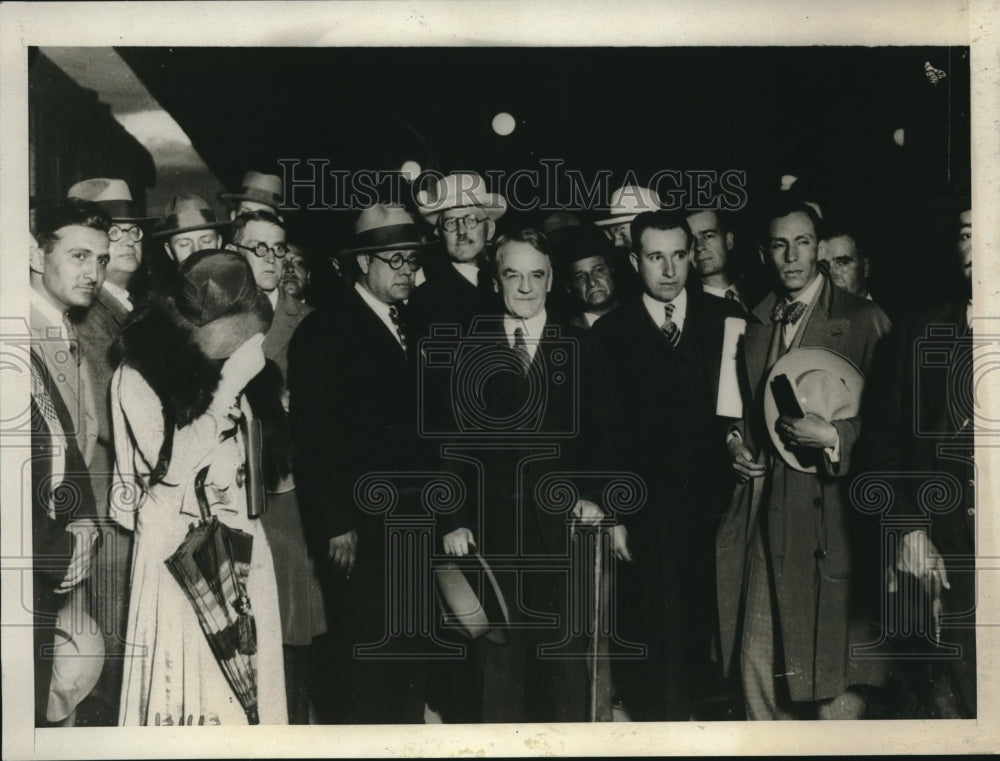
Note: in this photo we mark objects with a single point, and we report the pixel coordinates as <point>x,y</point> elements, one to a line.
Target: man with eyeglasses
<point>464,216</point>
<point>352,379</point>
<point>98,327</point>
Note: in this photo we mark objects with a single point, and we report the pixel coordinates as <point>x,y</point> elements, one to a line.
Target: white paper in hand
<point>729,403</point>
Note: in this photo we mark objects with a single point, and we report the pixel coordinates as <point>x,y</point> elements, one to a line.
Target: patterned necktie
<point>397,322</point>
<point>788,313</point>
<point>669,327</point>
<point>731,295</point>
<point>71,339</point>
<point>521,349</point>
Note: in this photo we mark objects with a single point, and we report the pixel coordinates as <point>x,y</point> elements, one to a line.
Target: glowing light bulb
<point>503,123</point>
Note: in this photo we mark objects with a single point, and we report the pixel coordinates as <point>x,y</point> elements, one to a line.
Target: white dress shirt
<point>380,308</point>
<point>658,314</point>
<point>721,292</point>
<point>532,328</point>
<point>468,270</point>
<point>807,297</point>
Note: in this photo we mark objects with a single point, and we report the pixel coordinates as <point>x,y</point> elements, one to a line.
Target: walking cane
<point>596,621</point>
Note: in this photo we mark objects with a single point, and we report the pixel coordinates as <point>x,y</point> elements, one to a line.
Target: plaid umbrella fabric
<point>212,565</point>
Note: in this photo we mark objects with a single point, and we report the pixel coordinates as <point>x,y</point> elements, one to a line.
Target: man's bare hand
<point>743,462</point>
<point>457,542</point>
<point>808,432</point>
<point>917,556</point>
<point>586,511</point>
<point>344,551</point>
<point>80,565</point>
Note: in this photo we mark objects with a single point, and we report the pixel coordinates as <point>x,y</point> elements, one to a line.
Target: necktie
<point>398,323</point>
<point>669,327</point>
<point>788,313</point>
<point>71,339</point>
<point>731,295</point>
<point>43,401</point>
<point>521,349</point>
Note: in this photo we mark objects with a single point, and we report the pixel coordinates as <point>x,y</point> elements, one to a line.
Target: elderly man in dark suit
<point>98,328</point>
<point>922,429</point>
<point>789,605</point>
<point>352,379</point>
<point>522,378</point>
<point>656,360</point>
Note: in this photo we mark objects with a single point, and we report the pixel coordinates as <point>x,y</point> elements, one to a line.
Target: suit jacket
<point>287,315</point>
<point>812,531</point>
<point>653,412</point>
<point>447,298</point>
<point>352,411</point>
<point>98,327</point>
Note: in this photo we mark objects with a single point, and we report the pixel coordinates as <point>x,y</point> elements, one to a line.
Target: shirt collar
<point>720,292</point>
<point>380,308</point>
<point>655,308</point>
<point>532,327</point>
<point>48,310</point>
<point>808,296</point>
<point>468,270</point>
<point>272,296</point>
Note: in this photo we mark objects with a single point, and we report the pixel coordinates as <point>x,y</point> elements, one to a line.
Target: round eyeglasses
<point>396,261</point>
<point>469,221</point>
<point>117,232</point>
<point>262,249</point>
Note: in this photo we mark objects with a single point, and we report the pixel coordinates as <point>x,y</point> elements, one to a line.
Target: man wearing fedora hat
<point>626,203</point>
<point>98,327</point>
<point>790,565</point>
<point>258,192</point>
<point>189,225</point>
<point>464,216</point>
<point>352,383</point>
<point>586,257</point>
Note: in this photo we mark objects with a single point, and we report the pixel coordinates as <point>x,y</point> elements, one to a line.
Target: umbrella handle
<point>199,490</point>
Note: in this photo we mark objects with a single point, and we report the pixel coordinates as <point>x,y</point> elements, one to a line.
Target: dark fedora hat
<point>112,195</point>
<point>185,213</point>
<point>262,188</point>
<point>216,298</point>
<point>576,243</point>
<point>473,615</point>
<point>384,227</point>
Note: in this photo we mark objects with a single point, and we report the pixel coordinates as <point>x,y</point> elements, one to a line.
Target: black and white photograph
<point>498,378</point>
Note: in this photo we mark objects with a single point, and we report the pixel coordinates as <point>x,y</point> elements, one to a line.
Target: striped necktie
<point>669,327</point>
<point>398,323</point>
<point>521,349</point>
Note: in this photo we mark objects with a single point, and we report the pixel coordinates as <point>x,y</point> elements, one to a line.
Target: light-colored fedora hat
<point>77,658</point>
<point>628,202</point>
<point>384,227</point>
<point>262,188</point>
<point>456,191</point>
<point>463,608</point>
<point>825,383</point>
<point>113,195</point>
<point>185,213</point>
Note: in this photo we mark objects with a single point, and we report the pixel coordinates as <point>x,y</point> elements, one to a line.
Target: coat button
<point>817,502</point>
<point>971,511</point>
<point>819,553</point>
<point>972,483</point>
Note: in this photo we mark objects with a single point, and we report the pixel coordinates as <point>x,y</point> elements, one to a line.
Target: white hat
<point>628,202</point>
<point>77,659</point>
<point>458,190</point>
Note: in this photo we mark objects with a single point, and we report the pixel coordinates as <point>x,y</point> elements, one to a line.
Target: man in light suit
<point>656,361</point>
<point>352,381</point>
<point>98,328</point>
<point>67,270</point>
<point>789,603</point>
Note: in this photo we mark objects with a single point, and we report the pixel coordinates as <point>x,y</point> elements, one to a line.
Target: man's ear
<point>491,229</point>
<point>364,262</point>
<point>634,259</point>
<point>232,247</point>
<point>866,267</point>
<point>760,253</point>
<point>170,253</point>
<point>36,259</point>
<point>232,214</point>
<point>730,242</point>
<point>218,240</point>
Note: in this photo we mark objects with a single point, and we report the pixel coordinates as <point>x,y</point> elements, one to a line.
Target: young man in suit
<point>67,270</point>
<point>98,327</point>
<point>715,256</point>
<point>789,605</point>
<point>656,362</point>
<point>524,430</point>
<point>352,382</point>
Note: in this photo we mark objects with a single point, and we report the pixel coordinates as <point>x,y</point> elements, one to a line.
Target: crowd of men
<point>471,398</point>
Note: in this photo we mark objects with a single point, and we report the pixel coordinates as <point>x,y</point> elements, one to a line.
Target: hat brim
<point>244,197</point>
<point>794,364</point>
<point>616,220</point>
<point>462,607</point>
<point>403,246</point>
<point>189,228</point>
<point>494,209</point>
<point>133,219</point>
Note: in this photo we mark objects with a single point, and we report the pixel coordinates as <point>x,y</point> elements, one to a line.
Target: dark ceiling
<point>826,113</point>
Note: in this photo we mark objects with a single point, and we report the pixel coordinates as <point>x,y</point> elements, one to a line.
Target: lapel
<point>287,315</point>
<point>117,313</point>
<point>757,341</point>
<point>705,333</point>
<point>823,328</point>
